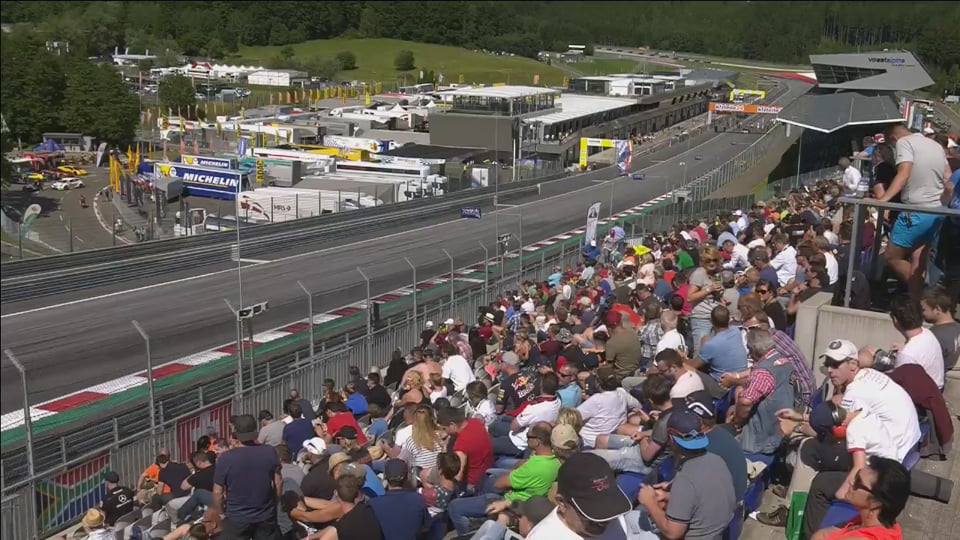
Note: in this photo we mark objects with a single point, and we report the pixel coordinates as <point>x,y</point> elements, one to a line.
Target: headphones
<point>839,417</point>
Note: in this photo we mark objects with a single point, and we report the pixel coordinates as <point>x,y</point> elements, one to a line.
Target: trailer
<point>285,204</point>
<point>388,189</point>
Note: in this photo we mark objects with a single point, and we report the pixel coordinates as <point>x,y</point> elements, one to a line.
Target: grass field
<point>375,62</point>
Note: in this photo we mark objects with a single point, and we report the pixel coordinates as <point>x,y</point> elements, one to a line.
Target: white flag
<point>440,77</point>
<point>593,215</point>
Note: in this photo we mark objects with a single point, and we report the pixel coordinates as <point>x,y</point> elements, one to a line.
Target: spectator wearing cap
<point>472,444</point>
<point>604,412</point>
<point>533,477</point>
<point>868,389</point>
<point>426,336</point>
<point>650,443</point>
<point>271,431</point>
<point>588,502</point>
<point>401,511</point>
<point>701,499</point>
<point>317,482</point>
<point>543,408</point>
<point>770,389</point>
<point>623,347</point>
<point>117,501</point>
<point>94,525</point>
<point>299,429</point>
<point>760,259</point>
<point>249,475</point>
<point>516,388</point>
<point>720,441</point>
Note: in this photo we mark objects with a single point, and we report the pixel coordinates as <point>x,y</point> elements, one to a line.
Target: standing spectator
<point>851,177</point>
<point>950,237</point>
<point>936,311</point>
<point>271,431</point>
<point>922,346</point>
<point>249,476</point>
<point>879,493</point>
<point>117,501</point>
<point>623,347</point>
<point>299,429</point>
<point>401,511</point>
<point>705,293</point>
<point>921,171</point>
<point>473,444</point>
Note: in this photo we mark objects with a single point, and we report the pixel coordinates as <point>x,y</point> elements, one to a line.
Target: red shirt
<point>342,420</point>
<point>867,533</point>
<point>475,442</point>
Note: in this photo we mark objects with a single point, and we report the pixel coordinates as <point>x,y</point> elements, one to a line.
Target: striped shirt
<point>416,456</point>
<point>789,351</point>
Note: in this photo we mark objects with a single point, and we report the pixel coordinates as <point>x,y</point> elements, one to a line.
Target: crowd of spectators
<point>651,391</point>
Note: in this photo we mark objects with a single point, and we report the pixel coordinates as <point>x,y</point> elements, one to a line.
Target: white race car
<point>67,183</point>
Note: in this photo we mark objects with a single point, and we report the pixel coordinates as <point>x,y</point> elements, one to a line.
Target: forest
<point>771,31</point>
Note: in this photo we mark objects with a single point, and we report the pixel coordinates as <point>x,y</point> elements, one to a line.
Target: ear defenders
<point>839,416</point>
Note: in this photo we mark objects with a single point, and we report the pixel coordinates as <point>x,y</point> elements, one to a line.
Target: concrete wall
<point>472,131</point>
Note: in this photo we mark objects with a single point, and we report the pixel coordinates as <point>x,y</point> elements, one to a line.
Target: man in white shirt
<point>739,255</point>
<point>851,176</point>
<point>686,381</point>
<point>605,411</point>
<point>822,245</point>
<point>785,260</point>
<point>671,338</point>
<point>922,346</point>
<point>456,369</point>
<point>544,408</point>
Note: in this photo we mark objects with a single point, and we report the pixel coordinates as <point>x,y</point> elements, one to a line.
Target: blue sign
<point>470,212</point>
<point>209,161</point>
<point>208,182</point>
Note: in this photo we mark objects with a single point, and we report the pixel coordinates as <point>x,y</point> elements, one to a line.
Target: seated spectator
<point>671,338</point>
<point>522,517</point>
<point>436,388</point>
<point>377,393</point>
<point>201,482</point>
<point>479,405</point>
<point>686,379</point>
<point>147,484</point>
<point>347,439</point>
<point>533,477</point>
<point>772,387</point>
<point>172,475</point>
<point>440,485</point>
<point>401,511</point>
<point>472,444</point>
<point>922,346</point>
<point>650,333</point>
<point>271,431</point>
<point>623,347</point>
<point>570,393</point>
<point>565,441</point>
<point>720,441</point>
<point>117,501</point>
<point>338,417</point>
<point>94,525</point>
<point>306,408</point>
<point>456,368</point>
<point>421,449</point>
<point>413,390</point>
<point>879,492</point>
<point>354,400</point>
<point>760,260</point>
<point>358,521</point>
<point>604,412</point>
<point>299,429</point>
<point>378,425</point>
<point>787,349</point>
<point>937,307</point>
<point>767,290</point>
<point>544,408</point>
<point>724,351</point>
<point>700,500</point>
<point>641,457</point>
<point>317,482</point>
<point>516,386</point>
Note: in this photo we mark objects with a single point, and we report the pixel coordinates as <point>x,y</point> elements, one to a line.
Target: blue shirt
<point>570,395</point>
<point>662,289</point>
<point>722,443</point>
<point>402,514</point>
<point>372,485</point>
<point>377,428</point>
<point>955,201</point>
<point>724,353</point>
<point>769,274</point>
<point>296,432</point>
<point>356,403</point>
<point>246,473</point>
<point>554,279</point>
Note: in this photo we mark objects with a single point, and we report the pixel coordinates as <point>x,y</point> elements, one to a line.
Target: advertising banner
<point>215,419</point>
<point>204,181</point>
<point>470,212</point>
<point>209,161</point>
<point>624,156</point>
<point>593,215</point>
<point>745,108</point>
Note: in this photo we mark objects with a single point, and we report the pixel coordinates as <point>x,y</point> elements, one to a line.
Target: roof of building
<point>827,112</point>
<point>638,78</point>
<point>291,72</point>
<point>432,151</point>
<point>505,92</point>
<point>707,74</point>
<point>576,105</point>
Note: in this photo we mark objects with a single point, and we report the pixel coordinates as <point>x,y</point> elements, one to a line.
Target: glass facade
<point>503,106</point>
<point>832,74</point>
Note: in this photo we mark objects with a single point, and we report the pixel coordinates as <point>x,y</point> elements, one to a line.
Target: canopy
<point>829,112</point>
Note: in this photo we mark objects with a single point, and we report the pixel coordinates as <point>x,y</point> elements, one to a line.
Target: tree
<point>31,95</point>
<point>6,145</point>
<point>347,60</point>
<point>404,60</point>
<point>97,103</point>
<point>286,52</point>
<point>176,94</point>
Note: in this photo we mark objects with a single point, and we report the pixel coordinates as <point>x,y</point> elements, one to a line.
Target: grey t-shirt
<point>926,177</point>
<point>272,434</point>
<point>949,337</point>
<point>700,278</point>
<point>702,496</point>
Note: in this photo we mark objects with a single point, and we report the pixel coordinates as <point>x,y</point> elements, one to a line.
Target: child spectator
<point>378,424</point>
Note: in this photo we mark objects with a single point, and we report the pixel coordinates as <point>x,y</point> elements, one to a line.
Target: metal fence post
<point>27,421</point>
<point>70,230</point>
<point>310,310</point>
<point>452,283</point>
<point>236,323</point>
<point>486,271</point>
<point>150,395</point>
<point>369,336</point>
<point>415,306</point>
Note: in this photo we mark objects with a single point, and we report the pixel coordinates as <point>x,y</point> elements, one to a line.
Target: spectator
<point>147,484</point>
<point>936,311</point>
<point>456,369</point>
<point>271,431</point>
<point>171,478</point>
<point>623,347</point>
<point>544,408</point>
<point>921,171</point>
<point>760,260</point>
<point>413,390</point>
<point>720,441</point>
<point>738,253</point>
<point>950,237</point>
<point>479,405</point>
<point>378,425</point>
<point>299,429</point>
<point>359,522</point>
<point>516,387</point>
<point>338,417</point>
<point>533,477</point>
<point>786,348</point>
<point>851,177</point>
<point>317,482</point>
<point>564,441</point>
<point>306,408</point>
<point>426,336</point>
<point>440,485</point>
<point>770,389</point>
<point>922,346</point>
<point>436,388</point>
<point>724,352</point>
<point>730,296</point>
<point>879,492</point>
<point>201,482</point>
<point>249,476</point>
<point>398,367</point>
<point>705,293</point>
<point>822,246</point>
<point>650,334</point>
<point>290,470</point>
<point>672,338</point>
<point>376,393</point>
<point>643,456</point>
<point>588,502</point>
<point>118,499</point>
<point>401,511</point>
<point>700,500</point>
<point>354,400</point>
<point>358,381</point>
<point>686,379</point>
<point>604,412</point>
<point>473,444</point>
<point>784,261</point>
<point>421,449</point>
<point>570,393</point>
<point>523,516</point>
<point>94,525</point>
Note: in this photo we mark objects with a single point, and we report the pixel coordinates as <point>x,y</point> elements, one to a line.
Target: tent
<point>48,145</point>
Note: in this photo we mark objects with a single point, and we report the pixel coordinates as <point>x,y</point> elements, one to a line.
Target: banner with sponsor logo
<point>745,108</point>
<point>209,161</point>
<point>204,181</point>
<point>470,212</point>
<point>593,215</point>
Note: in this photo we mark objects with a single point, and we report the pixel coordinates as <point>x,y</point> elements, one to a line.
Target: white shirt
<point>528,306</point>
<point>587,273</point>
<point>868,433</point>
<point>742,222</point>
<point>686,384</point>
<point>833,267</point>
<point>603,413</point>
<point>485,411</point>
<point>458,371</point>
<point>545,411</point>
<point>851,179</point>
<point>831,237</point>
<point>740,258</point>
<point>671,340</point>
<point>875,392</point>
<point>403,435</point>
<point>924,349</point>
<point>552,528</point>
<point>785,263</point>
<point>758,242</point>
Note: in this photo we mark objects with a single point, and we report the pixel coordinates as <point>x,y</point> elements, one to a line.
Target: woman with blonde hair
<point>436,388</point>
<point>413,390</point>
<point>570,417</point>
<point>425,442</point>
<point>704,293</point>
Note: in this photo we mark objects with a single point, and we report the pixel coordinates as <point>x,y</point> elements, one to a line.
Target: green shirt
<point>684,260</point>
<point>533,478</point>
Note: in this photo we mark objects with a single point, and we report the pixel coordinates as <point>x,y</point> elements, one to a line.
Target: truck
<point>284,204</point>
<point>388,189</point>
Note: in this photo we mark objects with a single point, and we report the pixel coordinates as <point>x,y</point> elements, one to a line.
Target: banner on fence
<point>214,419</point>
<point>68,495</point>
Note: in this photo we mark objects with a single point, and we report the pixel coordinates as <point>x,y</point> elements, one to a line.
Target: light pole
<point>452,282</point>
<point>309,309</point>
<point>150,394</point>
<point>236,323</point>
<point>519,215</point>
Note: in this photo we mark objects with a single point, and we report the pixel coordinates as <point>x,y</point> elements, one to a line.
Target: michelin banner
<point>593,215</point>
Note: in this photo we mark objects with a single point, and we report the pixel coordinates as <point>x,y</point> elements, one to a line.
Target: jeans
<point>699,327</point>
<point>265,530</point>
<point>616,442</point>
<point>200,497</point>
<point>624,460</point>
<point>822,494</point>
<point>490,479</point>
<point>461,510</point>
<point>503,446</point>
<point>500,427</point>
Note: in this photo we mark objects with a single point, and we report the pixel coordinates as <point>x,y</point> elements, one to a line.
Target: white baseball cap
<point>315,446</point>
<point>840,350</point>
<point>429,324</point>
<point>448,322</point>
<point>928,130</point>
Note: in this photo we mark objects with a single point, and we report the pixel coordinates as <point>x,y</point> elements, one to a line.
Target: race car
<point>34,175</point>
<point>638,176</point>
<point>75,171</point>
<point>67,183</point>
<point>698,158</point>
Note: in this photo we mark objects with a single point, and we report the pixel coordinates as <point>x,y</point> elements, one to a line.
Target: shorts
<point>913,229</point>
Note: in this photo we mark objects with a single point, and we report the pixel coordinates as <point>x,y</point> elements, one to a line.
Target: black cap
<point>396,470</point>
<point>701,403</point>
<point>347,432</point>
<point>587,482</point>
<point>113,477</point>
<point>245,427</point>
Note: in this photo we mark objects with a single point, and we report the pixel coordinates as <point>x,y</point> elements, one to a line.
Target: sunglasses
<point>762,291</point>
<point>830,363</point>
<point>859,485</point>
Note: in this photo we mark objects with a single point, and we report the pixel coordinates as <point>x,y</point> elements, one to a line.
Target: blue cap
<point>821,418</point>
<point>685,428</point>
<point>396,470</point>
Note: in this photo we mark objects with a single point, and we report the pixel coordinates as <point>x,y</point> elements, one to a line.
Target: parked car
<point>73,171</point>
<point>35,176</point>
<point>67,183</point>
<point>698,158</point>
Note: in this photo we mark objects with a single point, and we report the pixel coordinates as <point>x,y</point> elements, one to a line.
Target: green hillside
<point>375,61</point>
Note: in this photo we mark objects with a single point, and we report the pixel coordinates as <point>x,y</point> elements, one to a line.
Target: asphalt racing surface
<point>70,342</point>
